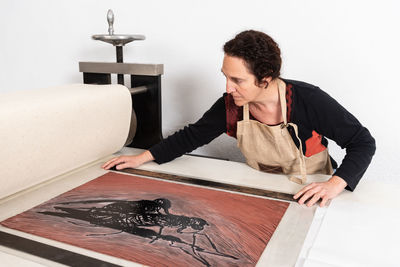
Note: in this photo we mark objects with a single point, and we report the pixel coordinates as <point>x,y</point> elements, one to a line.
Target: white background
<point>348,48</point>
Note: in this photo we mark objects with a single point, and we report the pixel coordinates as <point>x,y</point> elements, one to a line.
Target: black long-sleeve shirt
<point>316,114</point>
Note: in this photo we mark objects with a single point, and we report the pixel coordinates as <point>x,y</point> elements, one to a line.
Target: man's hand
<point>123,162</point>
<point>325,191</point>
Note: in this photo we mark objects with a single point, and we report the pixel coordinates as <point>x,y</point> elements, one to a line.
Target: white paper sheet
<point>360,229</point>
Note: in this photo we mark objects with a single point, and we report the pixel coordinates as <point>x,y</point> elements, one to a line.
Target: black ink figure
<point>134,217</point>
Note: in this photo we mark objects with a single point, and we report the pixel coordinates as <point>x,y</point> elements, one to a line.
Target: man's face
<point>240,83</point>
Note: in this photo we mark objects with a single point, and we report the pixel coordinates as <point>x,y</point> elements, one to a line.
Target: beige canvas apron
<point>271,148</point>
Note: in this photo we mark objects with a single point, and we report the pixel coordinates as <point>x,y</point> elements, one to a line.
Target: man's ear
<point>265,82</point>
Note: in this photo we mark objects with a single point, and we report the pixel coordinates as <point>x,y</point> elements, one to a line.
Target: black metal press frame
<point>145,90</point>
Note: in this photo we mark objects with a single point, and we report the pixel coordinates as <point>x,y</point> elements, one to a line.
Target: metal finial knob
<point>116,39</point>
<point>110,19</point>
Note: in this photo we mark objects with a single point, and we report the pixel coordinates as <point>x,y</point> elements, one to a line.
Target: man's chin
<point>238,103</point>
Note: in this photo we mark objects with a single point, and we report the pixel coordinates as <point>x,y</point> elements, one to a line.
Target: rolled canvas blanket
<point>45,133</point>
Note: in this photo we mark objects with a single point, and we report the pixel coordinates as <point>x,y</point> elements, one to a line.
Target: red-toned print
<point>157,223</point>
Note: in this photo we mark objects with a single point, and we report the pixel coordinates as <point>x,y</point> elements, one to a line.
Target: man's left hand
<point>324,191</point>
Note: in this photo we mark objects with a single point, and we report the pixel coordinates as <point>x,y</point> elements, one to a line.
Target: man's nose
<point>229,87</point>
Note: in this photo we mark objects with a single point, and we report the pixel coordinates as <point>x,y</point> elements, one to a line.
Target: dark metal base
<point>48,252</point>
<point>96,78</point>
<point>147,107</point>
<point>211,184</point>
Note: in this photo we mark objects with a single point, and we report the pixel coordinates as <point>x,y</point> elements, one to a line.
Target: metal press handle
<point>110,19</point>
<point>140,89</point>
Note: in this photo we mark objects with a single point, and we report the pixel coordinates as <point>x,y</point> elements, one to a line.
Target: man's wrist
<point>147,156</point>
<point>336,180</point>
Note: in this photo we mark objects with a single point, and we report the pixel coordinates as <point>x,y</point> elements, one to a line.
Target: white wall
<point>349,48</point>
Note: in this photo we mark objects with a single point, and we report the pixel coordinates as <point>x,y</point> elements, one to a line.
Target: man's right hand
<point>123,162</point>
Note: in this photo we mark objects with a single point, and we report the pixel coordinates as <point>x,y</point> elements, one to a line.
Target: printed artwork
<point>157,223</point>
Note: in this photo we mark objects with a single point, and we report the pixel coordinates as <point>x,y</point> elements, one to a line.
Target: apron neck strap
<point>246,112</point>
<point>302,164</point>
<point>282,99</point>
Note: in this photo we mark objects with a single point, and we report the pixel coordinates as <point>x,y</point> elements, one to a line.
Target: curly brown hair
<point>260,52</point>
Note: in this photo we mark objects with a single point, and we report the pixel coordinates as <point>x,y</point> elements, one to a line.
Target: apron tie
<point>302,162</point>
